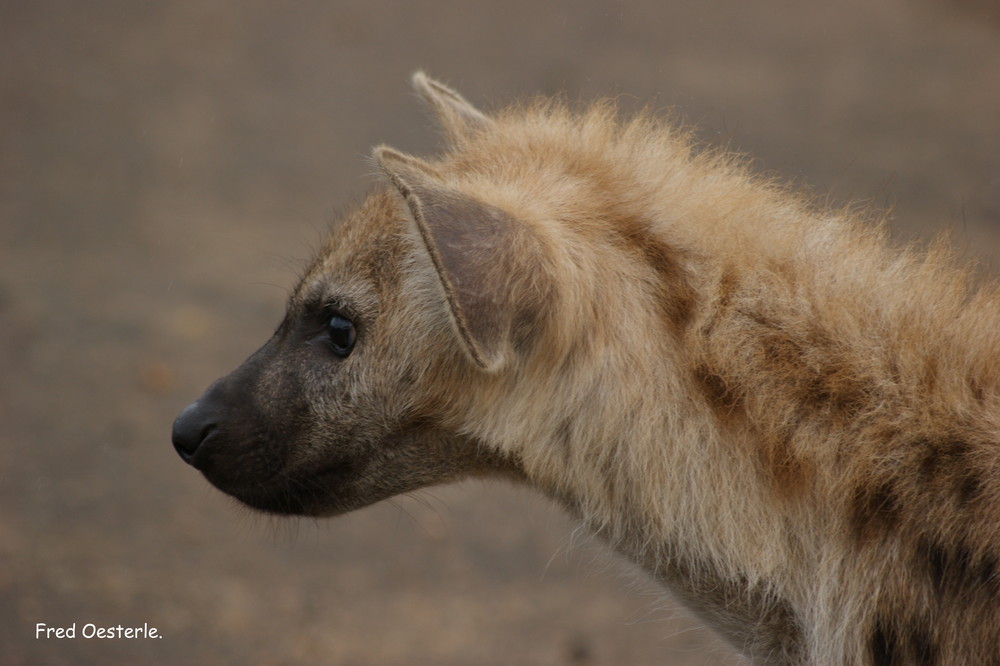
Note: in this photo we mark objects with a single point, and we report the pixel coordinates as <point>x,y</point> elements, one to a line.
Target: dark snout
<point>223,421</point>
<point>239,432</point>
<point>255,436</point>
<point>216,425</point>
<point>192,427</point>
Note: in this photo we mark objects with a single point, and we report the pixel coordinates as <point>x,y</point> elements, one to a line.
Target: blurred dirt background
<point>164,169</point>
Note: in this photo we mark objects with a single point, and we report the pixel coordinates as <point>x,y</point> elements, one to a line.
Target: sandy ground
<point>164,169</point>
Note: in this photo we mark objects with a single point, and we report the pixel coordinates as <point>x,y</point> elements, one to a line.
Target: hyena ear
<point>455,114</point>
<point>478,251</point>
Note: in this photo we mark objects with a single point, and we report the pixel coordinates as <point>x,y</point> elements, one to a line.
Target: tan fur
<point>789,423</point>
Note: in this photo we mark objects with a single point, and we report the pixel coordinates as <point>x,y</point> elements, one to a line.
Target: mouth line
<point>334,468</point>
<point>286,493</point>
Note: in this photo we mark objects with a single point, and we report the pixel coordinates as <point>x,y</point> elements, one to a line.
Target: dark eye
<point>342,335</point>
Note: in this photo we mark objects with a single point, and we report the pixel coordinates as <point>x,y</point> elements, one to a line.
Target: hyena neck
<point>791,424</point>
<point>826,415</point>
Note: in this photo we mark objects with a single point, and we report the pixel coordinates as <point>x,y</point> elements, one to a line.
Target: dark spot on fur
<point>676,295</point>
<point>882,646</point>
<point>874,510</point>
<point>721,397</point>
<point>969,487</point>
<point>931,461</point>
<point>889,647</point>
<point>779,463</point>
<point>986,575</point>
<point>781,350</point>
<point>724,296</point>
<point>808,365</point>
<point>955,570</point>
<point>790,473</point>
<point>922,648</point>
<point>837,387</point>
<point>941,457</point>
<point>945,467</point>
<point>936,560</point>
<point>727,288</point>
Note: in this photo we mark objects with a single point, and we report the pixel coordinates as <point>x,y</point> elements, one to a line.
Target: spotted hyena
<point>790,424</point>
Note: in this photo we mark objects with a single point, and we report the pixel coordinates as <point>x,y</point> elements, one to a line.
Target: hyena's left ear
<point>488,263</point>
<point>456,115</point>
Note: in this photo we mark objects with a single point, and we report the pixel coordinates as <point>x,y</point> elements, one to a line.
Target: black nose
<point>191,427</point>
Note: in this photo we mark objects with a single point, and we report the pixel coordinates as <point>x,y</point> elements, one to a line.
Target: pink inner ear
<point>470,243</point>
<point>488,262</point>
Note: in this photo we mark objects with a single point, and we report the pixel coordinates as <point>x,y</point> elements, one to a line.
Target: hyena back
<point>787,422</point>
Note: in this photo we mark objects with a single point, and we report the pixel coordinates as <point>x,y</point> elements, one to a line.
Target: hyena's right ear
<point>457,116</point>
<point>487,261</point>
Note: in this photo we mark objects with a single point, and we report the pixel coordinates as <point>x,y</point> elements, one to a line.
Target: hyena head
<point>421,297</point>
